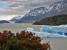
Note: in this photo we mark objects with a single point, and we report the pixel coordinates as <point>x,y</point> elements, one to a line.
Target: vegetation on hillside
<point>21,41</point>
<point>55,20</point>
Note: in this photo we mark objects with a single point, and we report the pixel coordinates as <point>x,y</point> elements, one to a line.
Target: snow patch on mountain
<point>37,11</point>
<point>56,8</point>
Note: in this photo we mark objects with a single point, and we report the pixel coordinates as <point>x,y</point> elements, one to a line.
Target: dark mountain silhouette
<point>55,20</point>
<point>4,21</point>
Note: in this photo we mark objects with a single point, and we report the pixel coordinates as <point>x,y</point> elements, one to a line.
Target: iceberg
<point>61,30</point>
<point>50,31</point>
<point>30,29</point>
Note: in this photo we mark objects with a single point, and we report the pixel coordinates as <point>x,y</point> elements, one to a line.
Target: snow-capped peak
<point>36,14</point>
<point>37,11</point>
<point>55,7</point>
<point>58,6</point>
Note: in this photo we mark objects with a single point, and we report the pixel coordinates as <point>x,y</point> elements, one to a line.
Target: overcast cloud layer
<point>21,7</point>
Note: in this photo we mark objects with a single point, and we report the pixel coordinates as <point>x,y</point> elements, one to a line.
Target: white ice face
<point>50,31</point>
<point>30,29</point>
<point>61,30</point>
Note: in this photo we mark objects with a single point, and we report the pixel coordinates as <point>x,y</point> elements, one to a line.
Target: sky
<point>12,8</point>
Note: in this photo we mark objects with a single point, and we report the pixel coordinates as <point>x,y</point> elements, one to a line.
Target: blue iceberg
<point>61,30</point>
<point>50,31</point>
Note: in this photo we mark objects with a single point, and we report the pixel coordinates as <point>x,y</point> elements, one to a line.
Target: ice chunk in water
<point>30,29</point>
<point>61,30</point>
<point>52,30</point>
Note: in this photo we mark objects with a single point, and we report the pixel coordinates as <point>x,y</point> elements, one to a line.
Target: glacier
<point>54,29</point>
<point>50,31</point>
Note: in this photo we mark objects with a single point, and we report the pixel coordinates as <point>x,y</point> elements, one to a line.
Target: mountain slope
<point>55,20</point>
<point>36,14</point>
<point>27,19</point>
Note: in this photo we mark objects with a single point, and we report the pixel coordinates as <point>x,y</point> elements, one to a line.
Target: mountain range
<point>37,14</point>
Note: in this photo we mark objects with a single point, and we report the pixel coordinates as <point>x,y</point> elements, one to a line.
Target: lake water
<point>56,43</point>
<point>42,29</point>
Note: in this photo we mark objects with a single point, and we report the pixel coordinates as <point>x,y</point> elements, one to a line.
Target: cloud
<point>6,17</point>
<point>21,7</point>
